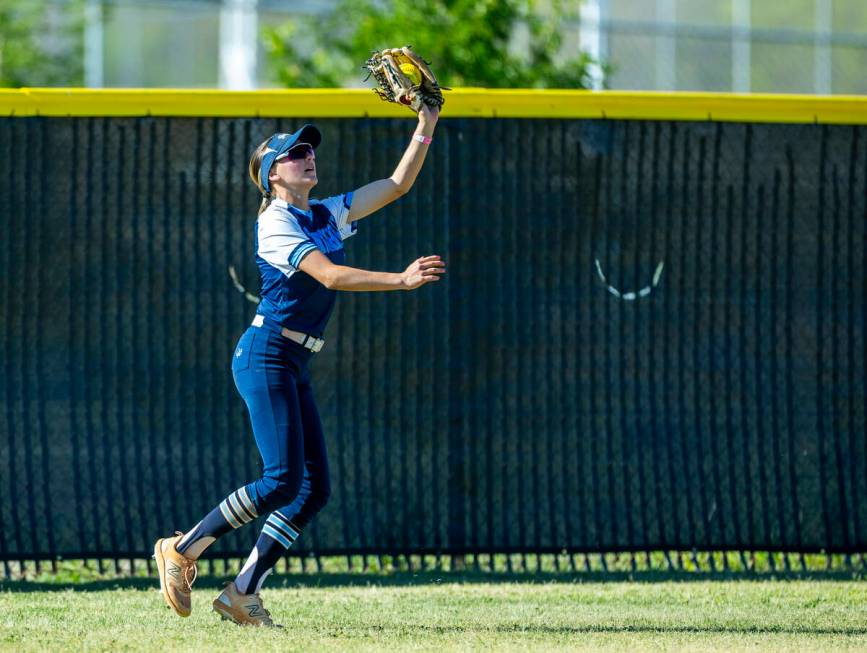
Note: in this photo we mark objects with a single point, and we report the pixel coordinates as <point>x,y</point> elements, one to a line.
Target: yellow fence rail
<point>463,102</point>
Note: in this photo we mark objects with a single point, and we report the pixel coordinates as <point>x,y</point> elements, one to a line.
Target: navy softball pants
<point>272,376</point>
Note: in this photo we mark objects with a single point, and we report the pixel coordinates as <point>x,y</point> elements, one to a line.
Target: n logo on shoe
<point>254,610</point>
<point>173,570</point>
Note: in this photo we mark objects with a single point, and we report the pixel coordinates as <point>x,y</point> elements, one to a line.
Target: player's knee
<point>277,491</point>
<point>319,495</point>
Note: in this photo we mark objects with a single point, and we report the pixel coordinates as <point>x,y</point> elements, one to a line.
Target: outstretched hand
<point>423,270</point>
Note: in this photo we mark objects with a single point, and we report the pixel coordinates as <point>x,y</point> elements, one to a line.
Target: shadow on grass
<point>644,628</point>
<point>422,578</point>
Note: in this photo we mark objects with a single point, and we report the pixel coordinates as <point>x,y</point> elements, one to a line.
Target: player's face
<point>297,167</point>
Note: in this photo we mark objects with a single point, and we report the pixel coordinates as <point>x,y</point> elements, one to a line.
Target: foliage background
<point>41,44</point>
<point>310,51</point>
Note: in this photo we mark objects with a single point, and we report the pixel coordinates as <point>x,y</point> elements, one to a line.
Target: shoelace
<point>189,564</point>
<point>190,581</point>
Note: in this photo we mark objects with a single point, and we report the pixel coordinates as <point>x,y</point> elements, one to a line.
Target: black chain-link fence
<point>651,336</point>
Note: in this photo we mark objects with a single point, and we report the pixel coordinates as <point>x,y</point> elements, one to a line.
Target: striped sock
<point>277,536</point>
<point>238,509</point>
<point>233,512</point>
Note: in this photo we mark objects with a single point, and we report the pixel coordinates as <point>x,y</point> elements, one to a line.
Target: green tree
<point>467,41</point>
<point>41,43</point>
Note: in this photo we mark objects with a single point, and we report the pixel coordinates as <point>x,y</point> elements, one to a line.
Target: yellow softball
<point>412,72</point>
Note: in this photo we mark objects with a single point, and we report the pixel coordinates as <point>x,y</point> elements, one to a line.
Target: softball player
<point>299,251</point>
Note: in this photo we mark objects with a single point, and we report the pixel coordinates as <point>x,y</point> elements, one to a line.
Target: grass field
<point>434,611</point>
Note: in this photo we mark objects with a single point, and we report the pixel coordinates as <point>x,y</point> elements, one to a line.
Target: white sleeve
<point>339,205</point>
<point>282,243</point>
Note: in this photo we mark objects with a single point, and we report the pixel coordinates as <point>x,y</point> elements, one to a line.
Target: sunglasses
<point>297,152</point>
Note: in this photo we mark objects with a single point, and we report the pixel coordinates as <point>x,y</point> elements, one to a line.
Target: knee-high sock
<point>277,536</point>
<point>233,512</point>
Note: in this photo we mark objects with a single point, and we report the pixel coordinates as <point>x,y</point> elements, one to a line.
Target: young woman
<point>299,251</point>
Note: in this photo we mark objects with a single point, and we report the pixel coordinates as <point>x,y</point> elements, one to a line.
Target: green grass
<point>433,611</point>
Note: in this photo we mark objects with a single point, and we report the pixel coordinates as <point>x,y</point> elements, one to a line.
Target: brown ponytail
<point>254,169</point>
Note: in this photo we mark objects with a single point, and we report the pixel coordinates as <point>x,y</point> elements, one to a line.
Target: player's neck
<point>296,197</point>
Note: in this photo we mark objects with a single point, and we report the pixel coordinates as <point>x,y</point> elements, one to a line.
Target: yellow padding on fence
<point>463,102</point>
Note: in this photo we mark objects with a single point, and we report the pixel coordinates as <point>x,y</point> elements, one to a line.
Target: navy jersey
<point>284,236</point>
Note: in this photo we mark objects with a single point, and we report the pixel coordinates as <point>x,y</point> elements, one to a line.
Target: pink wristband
<point>421,138</point>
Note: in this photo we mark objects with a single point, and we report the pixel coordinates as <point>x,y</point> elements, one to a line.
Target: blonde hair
<point>254,169</point>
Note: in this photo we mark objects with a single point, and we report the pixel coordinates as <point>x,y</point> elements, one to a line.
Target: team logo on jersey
<point>326,239</point>
<point>238,352</point>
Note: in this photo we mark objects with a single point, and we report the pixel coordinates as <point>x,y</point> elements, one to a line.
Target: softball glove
<point>405,78</point>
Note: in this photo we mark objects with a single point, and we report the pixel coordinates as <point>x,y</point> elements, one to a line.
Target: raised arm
<point>341,277</point>
<point>377,194</point>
